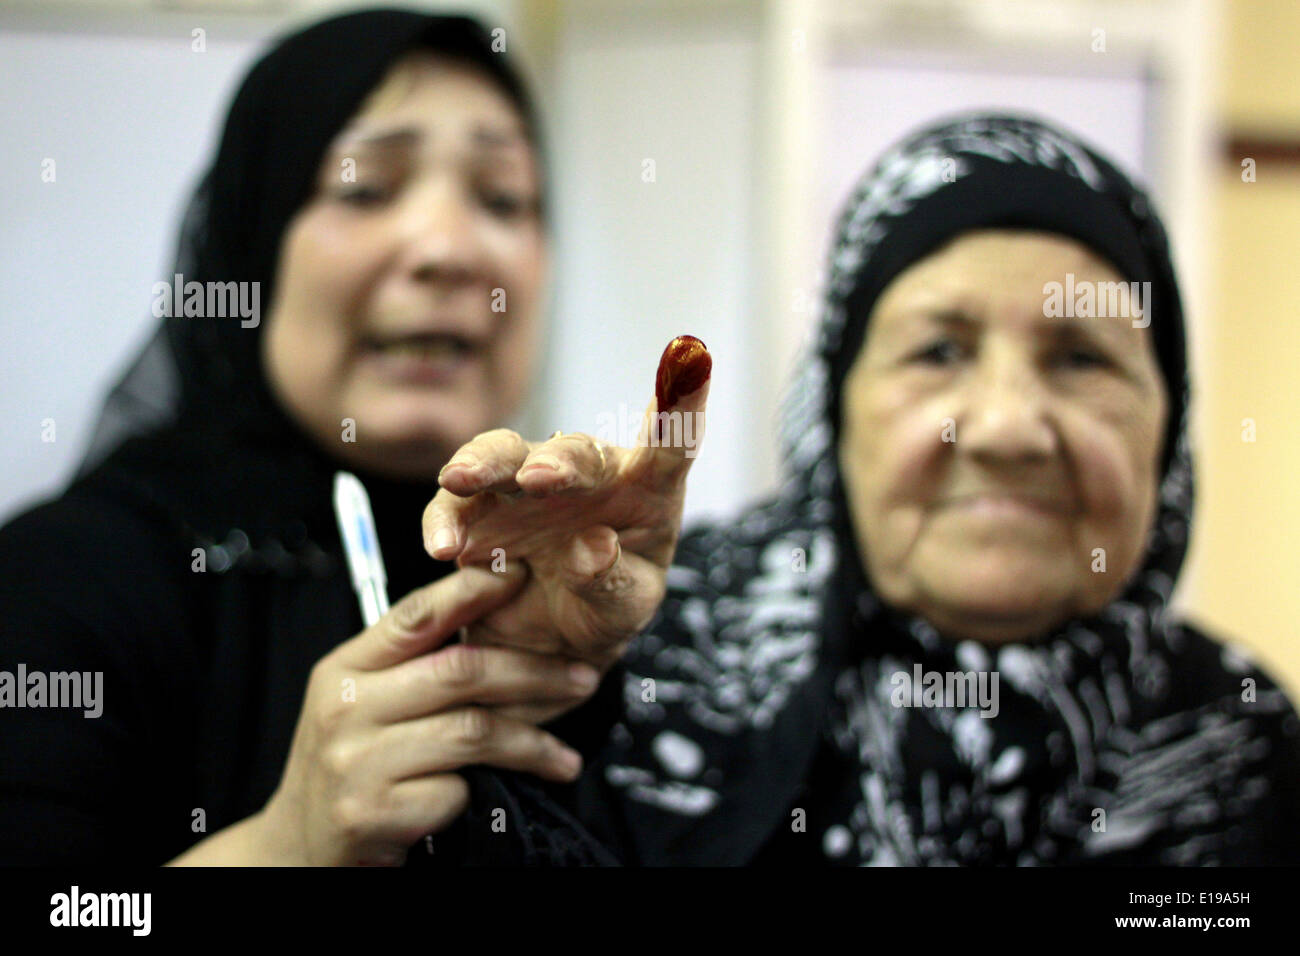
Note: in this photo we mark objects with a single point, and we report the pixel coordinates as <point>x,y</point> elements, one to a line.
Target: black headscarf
<point>193,435</point>
<point>773,657</point>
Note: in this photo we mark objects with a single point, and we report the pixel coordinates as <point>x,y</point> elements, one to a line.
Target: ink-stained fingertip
<point>683,369</point>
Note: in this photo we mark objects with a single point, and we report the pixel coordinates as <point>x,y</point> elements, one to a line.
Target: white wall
<point>128,119</point>
<point>645,261</point>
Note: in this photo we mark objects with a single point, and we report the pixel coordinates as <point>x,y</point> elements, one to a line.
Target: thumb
<point>431,615</point>
<point>673,426</point>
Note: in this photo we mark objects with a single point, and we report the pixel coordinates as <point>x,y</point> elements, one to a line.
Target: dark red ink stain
<point>684,367</point>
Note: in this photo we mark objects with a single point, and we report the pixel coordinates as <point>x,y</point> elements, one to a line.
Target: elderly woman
<point>378,180</point>
<point>946,639</point>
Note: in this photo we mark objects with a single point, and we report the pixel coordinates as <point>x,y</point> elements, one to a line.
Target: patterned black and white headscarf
<point>760,722</point>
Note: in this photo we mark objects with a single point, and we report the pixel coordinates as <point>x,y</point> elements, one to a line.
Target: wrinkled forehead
<point>998,274</point>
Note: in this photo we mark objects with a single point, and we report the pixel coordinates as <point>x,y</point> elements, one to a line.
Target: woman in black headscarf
<point>946,639</point>
<point>377,188</point>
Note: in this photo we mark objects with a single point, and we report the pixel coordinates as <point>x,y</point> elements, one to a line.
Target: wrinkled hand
<point>596,524</point>
<point>391,716</point>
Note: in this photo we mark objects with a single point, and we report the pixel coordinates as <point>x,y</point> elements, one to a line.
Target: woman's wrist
<point>272,828</point>
<point>253,841</point>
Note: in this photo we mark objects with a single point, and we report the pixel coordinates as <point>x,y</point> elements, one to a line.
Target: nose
<point>442,245</point>
<point>1006,414</point>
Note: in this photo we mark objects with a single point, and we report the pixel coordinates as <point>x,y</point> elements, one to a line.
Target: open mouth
<point>425,347</point>
<point>421,358</point>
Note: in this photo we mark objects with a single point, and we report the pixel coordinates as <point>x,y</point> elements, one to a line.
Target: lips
<point>1001,504</point>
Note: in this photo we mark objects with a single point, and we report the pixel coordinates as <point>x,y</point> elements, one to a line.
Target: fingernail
<point>570,760</point>
<point>460,461</point>
<point>584,676</point>
<point>443,539</point>
<point>543,461</point>
<point>601,551</point>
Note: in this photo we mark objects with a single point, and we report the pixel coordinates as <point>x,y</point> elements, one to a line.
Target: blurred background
<point>757,116</point>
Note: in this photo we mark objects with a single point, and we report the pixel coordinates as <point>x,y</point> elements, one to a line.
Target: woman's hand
<point>391,714</point>
<point>596,524</point>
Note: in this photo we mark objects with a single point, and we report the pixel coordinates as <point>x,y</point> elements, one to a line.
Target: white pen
<point>357,527</point>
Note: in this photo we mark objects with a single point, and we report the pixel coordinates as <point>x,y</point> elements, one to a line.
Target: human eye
<point>943,351</point>
<point>363,195</point>
<point>507,203</point>
<point>1082,358</point>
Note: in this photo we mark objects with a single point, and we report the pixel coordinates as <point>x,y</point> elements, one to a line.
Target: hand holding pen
<point>390,715</point>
